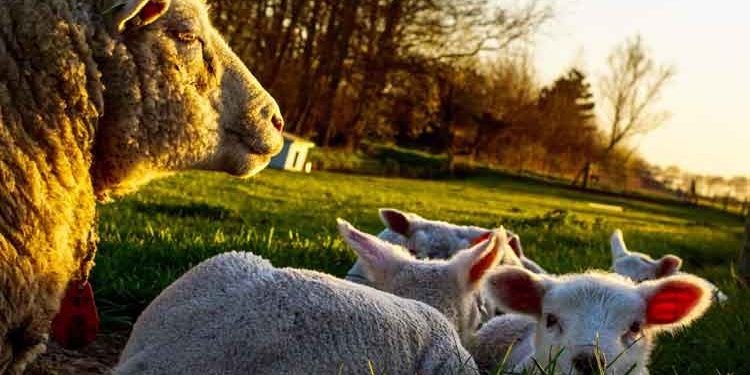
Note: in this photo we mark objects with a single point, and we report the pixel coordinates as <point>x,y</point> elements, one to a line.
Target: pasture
<point>150,238</point>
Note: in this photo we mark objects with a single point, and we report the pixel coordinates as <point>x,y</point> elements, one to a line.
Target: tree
<point>629,91</point>
<point>424,37</point>
<point>567,126</point>
<point>332,64</point>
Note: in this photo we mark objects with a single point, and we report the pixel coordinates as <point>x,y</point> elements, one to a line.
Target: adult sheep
<point>96,98</point>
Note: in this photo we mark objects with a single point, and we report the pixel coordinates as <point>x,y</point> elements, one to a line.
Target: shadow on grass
<point>192,209</point>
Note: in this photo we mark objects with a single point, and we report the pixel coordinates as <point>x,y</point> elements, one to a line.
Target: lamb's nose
<point>585,364</point>
<point>278,123</point>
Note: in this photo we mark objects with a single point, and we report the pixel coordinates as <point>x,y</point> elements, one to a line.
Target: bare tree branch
<point>630,90</point>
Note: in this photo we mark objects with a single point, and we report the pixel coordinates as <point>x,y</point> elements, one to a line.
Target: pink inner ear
<point>368,248</point>
<point>396,222</point>
<point>357,237</point>
<point>515,244</point>
<point>519,292</point>
<point>481,238</point>
<point>152,10</point>
<point>479,268</point>
<point>668,266</point>
<point>672,302</point>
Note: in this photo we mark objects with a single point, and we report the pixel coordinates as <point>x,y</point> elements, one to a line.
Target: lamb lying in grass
<point>237,314</point>
<point>641,267</point>
<point>451,286</point>
<point>432,239</point>
<point>588,323</point>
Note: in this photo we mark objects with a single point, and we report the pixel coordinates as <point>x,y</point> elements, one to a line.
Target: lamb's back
<point>236,314</point>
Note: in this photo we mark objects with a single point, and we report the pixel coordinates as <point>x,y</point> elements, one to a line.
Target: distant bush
<point>381,159</point>
<point>339,160</point>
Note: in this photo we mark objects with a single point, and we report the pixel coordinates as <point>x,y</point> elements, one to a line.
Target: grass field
<point>150,238</point>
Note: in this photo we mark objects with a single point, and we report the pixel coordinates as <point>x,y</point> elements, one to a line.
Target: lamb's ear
<point>514,241</point>
<point>137,13</point>
<point>517,290</point>
<point>396,221</point>
<point>668,265</point>
<point>617,243</point>
<point>378,257</point>
<point>472,264</point>
<point>481,238</point>
<point>675,301</point>
<point>508,257</point>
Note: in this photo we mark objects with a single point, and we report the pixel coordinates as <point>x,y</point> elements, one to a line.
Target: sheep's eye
<point>186,36</point>
<point>635,328</point>
<point>551,320</point>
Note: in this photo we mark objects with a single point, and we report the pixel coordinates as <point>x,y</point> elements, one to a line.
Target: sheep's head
<point>596,321</point>
<point>451,286</point>
<point>639,266</point>
<point>177,98</point>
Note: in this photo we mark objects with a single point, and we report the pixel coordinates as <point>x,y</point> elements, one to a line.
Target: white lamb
<point>641,267</point>
<point>590,323</point>
<point>432,239</point>
<point>237,314</point>
<point>451,286</point>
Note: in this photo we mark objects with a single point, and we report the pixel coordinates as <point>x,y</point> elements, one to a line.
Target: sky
<point>708,42</point>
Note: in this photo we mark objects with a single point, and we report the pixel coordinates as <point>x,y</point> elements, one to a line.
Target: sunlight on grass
<point>150,238</point>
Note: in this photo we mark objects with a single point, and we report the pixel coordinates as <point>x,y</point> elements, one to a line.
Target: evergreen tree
<point>567,122</point>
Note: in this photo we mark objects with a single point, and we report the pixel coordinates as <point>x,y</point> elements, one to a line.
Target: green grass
<point>150,238</point>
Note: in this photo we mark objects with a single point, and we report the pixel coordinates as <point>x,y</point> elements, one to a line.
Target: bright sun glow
<point>709,131</point>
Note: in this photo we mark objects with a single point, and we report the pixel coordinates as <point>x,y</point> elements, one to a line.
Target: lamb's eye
<point>635,328</point>
<point>552,321</point>
<point>186,36</point>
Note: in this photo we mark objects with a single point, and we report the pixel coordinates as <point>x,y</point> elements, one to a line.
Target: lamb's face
<point>596,321</point>
<point>588,319</point>
<point>452,287</point>
<point>178,98</point>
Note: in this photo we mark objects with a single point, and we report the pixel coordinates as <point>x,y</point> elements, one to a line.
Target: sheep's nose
<point>585,364</point>
<point>278,123</point>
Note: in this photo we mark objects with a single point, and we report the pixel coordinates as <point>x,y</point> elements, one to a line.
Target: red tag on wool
<point>77,322</point>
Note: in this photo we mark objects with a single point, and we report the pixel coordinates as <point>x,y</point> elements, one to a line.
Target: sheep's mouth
<point>244,162</point>
<point>243,156</point>
<point>269,146</point>
<point>237,160</point>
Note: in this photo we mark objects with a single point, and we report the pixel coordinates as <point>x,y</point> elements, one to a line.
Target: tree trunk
<point>586,175</point>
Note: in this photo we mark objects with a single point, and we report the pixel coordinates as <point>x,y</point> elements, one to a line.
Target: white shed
<point>294,154</point>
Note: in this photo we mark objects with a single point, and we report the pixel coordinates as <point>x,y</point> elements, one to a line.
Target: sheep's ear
<point>396,221</point>
<point>517,290</point>
<point>675,300</point>
<point>472,264</point>
<point>137,13</point>
<point>668,265</point>
<point>378,257</point>
<point>617,243</point>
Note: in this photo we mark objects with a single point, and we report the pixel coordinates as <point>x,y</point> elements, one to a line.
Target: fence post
<point>744,261</point>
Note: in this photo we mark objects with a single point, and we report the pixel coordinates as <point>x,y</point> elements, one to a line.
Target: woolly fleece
<point>236,314</point>
<point>87,111</point>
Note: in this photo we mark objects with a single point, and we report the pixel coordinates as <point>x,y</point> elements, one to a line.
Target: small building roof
<point>297,139</point>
